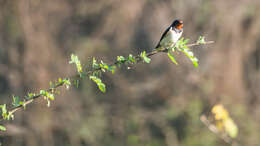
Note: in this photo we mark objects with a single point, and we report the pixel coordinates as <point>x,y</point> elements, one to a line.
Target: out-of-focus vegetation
<point>152,105</point>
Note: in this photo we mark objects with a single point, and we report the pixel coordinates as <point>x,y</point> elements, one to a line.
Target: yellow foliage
<point>220,112</point>
<point>223,121</point>
<point>231,127</point>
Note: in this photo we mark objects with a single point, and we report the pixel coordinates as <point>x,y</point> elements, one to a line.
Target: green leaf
<point>30,96</point>
<point>98,81</point>
<point>201,40</point>
<point>144,57</point>
<point>102,87</point>
<point>191,56</point>
<point>94,63</point>
<point>195,62</point>
<point>172,58</point>
<point>16,101</point>
<point>181,44</point>
<point>105,67</point>
<point>43,92</point>
<point>3,108</point>
<point>60,80</point>
<point>2,128</point>
<point>102,66</point>
<point>23,104</point>
<point>50,96</point>
<point>47,96</point>
<point>76,61</point>
<point>112,68</point>
<point>4,112</point>
<point>131,59</point>
<point>67,83</point>
<point>121,59</point>
<point>185,41</point>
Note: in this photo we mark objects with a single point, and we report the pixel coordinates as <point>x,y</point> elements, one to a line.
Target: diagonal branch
<point>14,109</point>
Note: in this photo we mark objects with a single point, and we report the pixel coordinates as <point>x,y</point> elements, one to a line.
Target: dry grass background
<point>152,105</point>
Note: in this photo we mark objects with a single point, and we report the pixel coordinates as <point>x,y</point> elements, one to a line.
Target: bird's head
<point>178,24</point>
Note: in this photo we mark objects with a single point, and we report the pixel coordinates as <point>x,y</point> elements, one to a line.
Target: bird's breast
<point>174,36</point>
<point>171,38</point>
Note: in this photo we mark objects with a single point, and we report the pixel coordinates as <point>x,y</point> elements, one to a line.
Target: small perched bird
<point>171,35</point>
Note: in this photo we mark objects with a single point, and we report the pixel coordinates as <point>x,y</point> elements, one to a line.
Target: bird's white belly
<point>170,39</point>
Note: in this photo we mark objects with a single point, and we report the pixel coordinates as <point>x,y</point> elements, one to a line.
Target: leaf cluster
<point>223,121</point>
<point>181,46</point>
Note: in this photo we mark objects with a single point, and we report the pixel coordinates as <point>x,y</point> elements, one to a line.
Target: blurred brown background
<point>154,104</point>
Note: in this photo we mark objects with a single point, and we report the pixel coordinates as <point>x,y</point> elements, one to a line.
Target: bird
<point>171,35</point>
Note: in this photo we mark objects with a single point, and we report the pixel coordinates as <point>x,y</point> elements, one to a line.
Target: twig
<point>13,110</point>
<point>197,44</point>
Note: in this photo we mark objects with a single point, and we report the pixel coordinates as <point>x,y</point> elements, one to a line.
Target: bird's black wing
<point>163,35</point>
